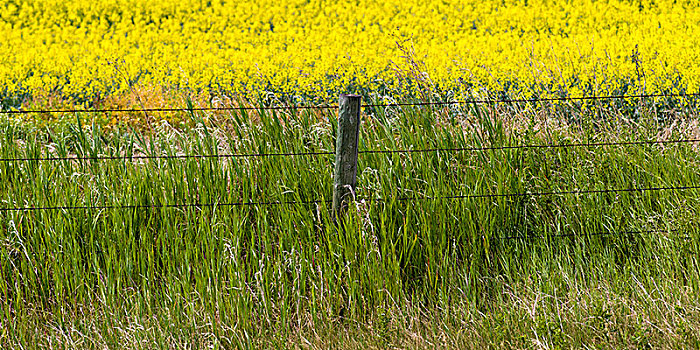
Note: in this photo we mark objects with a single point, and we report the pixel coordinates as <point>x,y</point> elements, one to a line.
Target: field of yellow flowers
<point>78,50</point>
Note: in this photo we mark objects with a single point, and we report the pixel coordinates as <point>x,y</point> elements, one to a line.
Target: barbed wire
<point>175,156</point>
<point>563,145</point>
<point>599,233</point>
<point>533,194</point>
<point>271,203</point>
<point>291,154</point>
<point>205,109</point>
<point>531,100</point>
<point>161,206</point>
<point>166,110</point>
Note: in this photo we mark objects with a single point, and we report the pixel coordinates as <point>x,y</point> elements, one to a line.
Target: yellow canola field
<point>313,49</point>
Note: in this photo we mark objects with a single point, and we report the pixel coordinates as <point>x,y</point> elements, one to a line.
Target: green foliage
<point>465,272</point>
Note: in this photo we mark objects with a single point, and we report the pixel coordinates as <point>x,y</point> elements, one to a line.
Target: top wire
<point>326,153</point>
<point>165,110</point>
<point>531,100</point>
<point>307,107</point>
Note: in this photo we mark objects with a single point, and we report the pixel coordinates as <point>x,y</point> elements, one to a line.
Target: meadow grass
<point>406,269</point>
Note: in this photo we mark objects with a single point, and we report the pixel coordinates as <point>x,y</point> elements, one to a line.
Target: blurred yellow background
<point>77,50</point>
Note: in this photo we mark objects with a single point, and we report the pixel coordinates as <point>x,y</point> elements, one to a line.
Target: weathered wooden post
<point>345,177</point>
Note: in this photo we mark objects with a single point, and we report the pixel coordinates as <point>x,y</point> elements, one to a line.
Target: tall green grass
<point>408,268</point>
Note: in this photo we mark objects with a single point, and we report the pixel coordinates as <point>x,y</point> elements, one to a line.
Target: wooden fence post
<point>345,176</point>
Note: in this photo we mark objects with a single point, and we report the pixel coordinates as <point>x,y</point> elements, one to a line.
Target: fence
<point>380,105</point>
<point>346,156</point>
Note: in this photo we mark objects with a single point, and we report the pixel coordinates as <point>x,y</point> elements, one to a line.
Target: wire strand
<point>162,206</point>
<point>184,156</point>
<point>599,233</point>
<point>203,109</point>
<point>547,99</point>
<point>291,154</point>
<point>536,194</point>
<point>184,205</point>
<point>571,145</point>
<point>165,110</point>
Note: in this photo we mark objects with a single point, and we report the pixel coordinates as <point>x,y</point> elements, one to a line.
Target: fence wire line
<point>162,206</point>
<point>290,154</point>
<point>524,100</point>
<point>204,109</point>
<point>378,200</point>
<point>563,145</point>
<point>183,156</point>
<point>165,110</point>
<point>599,233</point>
<point>532,194</point>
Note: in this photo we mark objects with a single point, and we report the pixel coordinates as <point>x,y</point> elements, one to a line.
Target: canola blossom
<point>314,49</point>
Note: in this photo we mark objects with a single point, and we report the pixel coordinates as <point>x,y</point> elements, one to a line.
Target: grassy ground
<point>597,270</point>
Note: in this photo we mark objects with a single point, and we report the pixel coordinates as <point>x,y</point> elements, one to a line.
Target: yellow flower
<point>319,48</point>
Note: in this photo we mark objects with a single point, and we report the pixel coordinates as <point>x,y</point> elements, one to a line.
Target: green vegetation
<point>617,269</point>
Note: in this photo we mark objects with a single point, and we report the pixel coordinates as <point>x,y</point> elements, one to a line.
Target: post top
<point>350,95</point>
